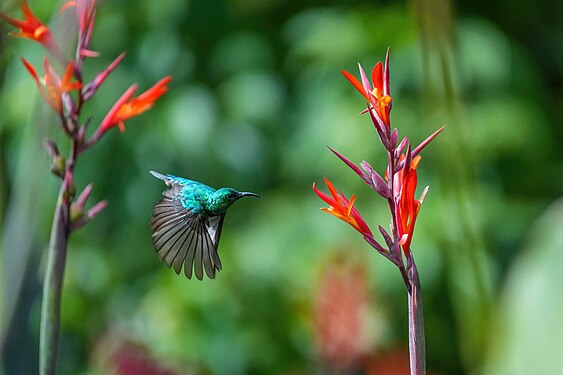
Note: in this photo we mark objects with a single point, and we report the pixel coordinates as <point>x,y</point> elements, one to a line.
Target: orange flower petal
<point>110,119</point>
<point>354,81</point>
<point>328,200</point>
<point>415,161</point>
<point>332,190</point>
<point>340,207</point>
<point>351,204</point>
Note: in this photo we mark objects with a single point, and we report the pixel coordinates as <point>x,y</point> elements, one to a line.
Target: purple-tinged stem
<point>417,348</point>
<point>56,258</point>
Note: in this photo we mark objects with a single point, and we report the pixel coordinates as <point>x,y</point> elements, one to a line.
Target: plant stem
<point>416,320</point>
<point>52,287</point>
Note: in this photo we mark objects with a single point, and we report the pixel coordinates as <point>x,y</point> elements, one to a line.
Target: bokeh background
<point>256,97</point>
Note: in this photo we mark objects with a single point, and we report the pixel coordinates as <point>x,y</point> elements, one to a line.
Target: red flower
<point>378,97</point>
<point>51,86</point>
<point>127,106</point>
<point>343,208</point>
<point>30,27</point>
<point>407,206</point>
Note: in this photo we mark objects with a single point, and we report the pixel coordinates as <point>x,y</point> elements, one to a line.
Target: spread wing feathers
<point>184,238</point>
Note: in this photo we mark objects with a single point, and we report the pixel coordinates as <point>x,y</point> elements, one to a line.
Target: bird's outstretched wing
<point>184,238</point>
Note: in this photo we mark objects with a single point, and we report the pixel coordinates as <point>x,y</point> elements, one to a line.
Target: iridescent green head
<point>223,198</point>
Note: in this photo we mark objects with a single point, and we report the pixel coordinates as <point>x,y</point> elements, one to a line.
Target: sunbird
<point>186,224</point>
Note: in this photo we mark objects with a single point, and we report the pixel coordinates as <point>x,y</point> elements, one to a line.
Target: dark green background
<point>256,97</point>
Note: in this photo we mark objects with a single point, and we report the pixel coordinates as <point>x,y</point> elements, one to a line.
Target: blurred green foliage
<point>255,99</point>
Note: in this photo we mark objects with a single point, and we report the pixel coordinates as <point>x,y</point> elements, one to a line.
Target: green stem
<point>417,348</point>
<point>52,287</point>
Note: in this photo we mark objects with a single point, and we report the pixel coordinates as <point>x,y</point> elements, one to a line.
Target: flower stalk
<point>70,213</point>
<point>398,188</point>
<point>417,345</point>
<point>52,286</point>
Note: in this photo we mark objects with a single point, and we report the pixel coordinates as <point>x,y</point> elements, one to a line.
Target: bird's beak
<point>248,194</point>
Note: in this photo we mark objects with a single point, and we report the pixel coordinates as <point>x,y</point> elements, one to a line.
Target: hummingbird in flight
<point>186,224</point>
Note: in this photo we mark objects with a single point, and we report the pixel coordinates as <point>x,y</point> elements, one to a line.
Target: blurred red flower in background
<point>118,355</point>
<point>340,310</point>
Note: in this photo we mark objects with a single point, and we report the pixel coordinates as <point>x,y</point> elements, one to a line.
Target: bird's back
<point>194,194</point>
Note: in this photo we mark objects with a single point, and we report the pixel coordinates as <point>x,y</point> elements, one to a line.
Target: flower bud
<point>76,213</point>
<point>58,164</point>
